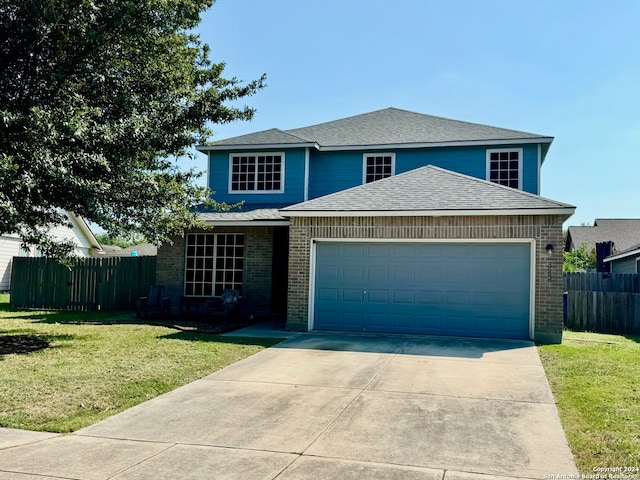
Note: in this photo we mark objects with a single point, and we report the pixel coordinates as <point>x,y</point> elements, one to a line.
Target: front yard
<point>61,371</point>
<point>595,380</point>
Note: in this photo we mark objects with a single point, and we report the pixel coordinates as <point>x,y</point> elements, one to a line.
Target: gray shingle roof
<point>274,136</point>
<point>142,250</point>
<point>428,189</point>
<point>624,233</point>
<point>390,126</point>
<point>261,214</point>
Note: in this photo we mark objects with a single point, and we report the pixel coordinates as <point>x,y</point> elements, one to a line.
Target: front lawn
<point>61,371</point>
<point>595,380</point>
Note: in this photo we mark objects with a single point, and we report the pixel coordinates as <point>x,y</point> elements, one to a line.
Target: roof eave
<point>462,143</point>
<point>619,256</point>
<point>261,146</point>
<point>568,211</point>
<point>247,223</point>
<point>329,148</point>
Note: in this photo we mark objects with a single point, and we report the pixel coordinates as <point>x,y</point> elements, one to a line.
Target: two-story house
<point>391,221</point>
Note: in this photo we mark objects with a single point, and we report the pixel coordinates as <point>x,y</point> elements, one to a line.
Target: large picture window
<point>215,262</point>
<point>504,167</point>
<point>256,172</point>
<point>379,166</point>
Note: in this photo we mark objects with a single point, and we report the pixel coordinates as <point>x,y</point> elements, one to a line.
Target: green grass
<point>98,364</point>
<point>595,380</point>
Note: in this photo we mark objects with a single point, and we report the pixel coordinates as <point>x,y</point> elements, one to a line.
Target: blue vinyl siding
<point>624,265</point>
<point>293,180</point>
<point>331,172</point>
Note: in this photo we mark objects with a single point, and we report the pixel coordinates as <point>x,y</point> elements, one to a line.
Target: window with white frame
<point>504,166</point>
<point>378,166</point>
<point>256,172</point>
<point>214,262</point>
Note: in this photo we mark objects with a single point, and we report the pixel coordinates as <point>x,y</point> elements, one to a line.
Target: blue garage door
<point>468,289</point>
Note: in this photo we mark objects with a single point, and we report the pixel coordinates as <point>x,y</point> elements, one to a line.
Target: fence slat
<point>603,302</point>
<point>88,284</point>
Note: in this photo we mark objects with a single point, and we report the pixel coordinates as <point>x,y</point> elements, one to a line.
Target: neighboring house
<point>390,221</point>
<point>624,233</point>
<point>626,261</point>
<point>80,234</point>
<point>140,250</point>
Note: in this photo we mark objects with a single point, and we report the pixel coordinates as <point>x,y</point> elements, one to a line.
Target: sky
<point>561,68</point>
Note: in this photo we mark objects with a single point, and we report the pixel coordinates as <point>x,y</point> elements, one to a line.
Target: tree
<point>580,259</point>
<point>99,102</point>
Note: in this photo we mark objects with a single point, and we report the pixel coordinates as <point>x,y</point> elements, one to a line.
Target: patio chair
<point>156,302</point>
<point>228,305</point>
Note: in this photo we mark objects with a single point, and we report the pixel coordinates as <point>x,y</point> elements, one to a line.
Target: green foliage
<point>122,242</point>
<point>99,102</point>
<point>579,260</point>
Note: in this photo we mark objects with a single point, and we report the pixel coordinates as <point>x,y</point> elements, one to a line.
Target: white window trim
<point>499,150</point>
<point>256,192</point>
<point>382,154</point>
<point>637,265</point>
<point>215,245</point>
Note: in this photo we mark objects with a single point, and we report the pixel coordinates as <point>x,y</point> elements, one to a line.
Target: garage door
<point>468,289</point>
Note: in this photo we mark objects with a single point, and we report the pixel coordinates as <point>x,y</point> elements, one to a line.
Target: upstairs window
<point>504,167</point>
<point>214,262</point>
<point>257,173</point>
<point>379,166</point>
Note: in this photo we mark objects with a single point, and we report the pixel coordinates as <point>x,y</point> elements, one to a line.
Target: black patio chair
<point>156,302</point>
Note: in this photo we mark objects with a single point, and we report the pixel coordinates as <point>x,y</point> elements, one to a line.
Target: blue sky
<point>568,69</point>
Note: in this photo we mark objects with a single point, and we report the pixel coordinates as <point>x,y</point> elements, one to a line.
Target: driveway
<point>324,406</point>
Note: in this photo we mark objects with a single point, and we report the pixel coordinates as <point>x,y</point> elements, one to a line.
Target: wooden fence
<point>602,302</point>
<point>113,283</point>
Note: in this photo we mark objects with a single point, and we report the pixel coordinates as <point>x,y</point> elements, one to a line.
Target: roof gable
<point>387,127</point>
<point>428,191</point>
<point>624,233</point>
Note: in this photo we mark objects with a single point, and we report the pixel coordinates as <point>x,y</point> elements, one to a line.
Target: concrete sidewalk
<point>327,406</point>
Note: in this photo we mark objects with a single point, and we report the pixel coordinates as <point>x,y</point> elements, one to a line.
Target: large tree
<point>99,99</point>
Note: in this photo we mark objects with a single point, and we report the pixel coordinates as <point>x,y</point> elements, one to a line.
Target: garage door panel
<point>353,273</point>
<point>475,289</point>
<point>328,294</point>
<point>329,272</point>
<point>430,297</point>
<point>430,323</point>
<point>486,298</point>
<point>455,274</point>
<point>351,320</point>
<point>456,298</point>
<point>378,273</point>
<point>404,296</point>
<point>352,295</point>
<point>405,322</point>
<point>378,320</point>
<point>353,250</point>
<point>378,250</point>
<point>378,296</point>
<point>403,273</point>
<point>431,275</point>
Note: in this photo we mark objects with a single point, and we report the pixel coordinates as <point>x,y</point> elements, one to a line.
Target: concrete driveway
<point>324,406</point>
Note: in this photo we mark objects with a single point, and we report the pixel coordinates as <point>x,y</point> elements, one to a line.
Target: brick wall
<point>544,229</point>
<point>258,250</point>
